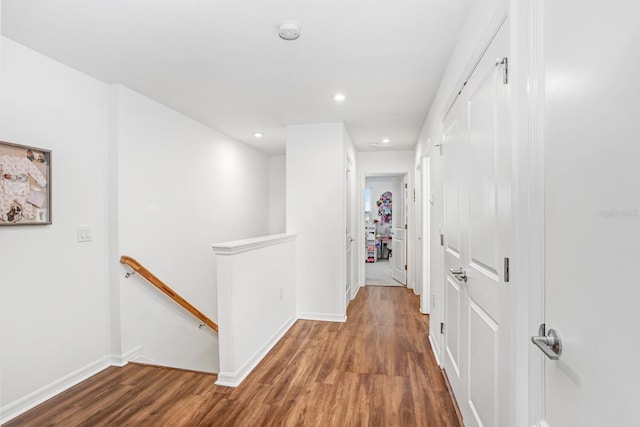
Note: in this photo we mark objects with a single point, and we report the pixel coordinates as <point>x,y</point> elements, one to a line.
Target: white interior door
<point>399,222</point>
<point>592,212</point>
<point>478,230</point>
<point>455,296</point>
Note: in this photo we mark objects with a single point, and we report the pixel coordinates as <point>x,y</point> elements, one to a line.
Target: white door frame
<point>400,274</point>
<point>527,271</point>
<point>361,251</point>
<point>424,230</point>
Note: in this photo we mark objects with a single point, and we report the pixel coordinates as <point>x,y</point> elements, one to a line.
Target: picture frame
<point>25,185</point>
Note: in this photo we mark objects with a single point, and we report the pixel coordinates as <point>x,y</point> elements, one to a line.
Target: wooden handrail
<point>138,268</point>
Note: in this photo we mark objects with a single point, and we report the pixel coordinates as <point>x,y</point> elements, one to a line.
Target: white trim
<point>536,195</point>
<point>246,245</point>
<point>49,391</point>
<point>146,360</point>
<point>435,350</point>
<point>233,379</point>
<point>426,151</point>
<point>355,290</point>
<point>484,43</point>
<point>425,232</point>
<point>123,359</point>
<point>542,423</point>
<point>323,317</point>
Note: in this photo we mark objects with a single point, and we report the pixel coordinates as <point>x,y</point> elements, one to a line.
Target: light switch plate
<point>85,233</point>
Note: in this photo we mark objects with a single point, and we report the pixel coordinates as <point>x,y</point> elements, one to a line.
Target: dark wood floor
<point>374,370</point>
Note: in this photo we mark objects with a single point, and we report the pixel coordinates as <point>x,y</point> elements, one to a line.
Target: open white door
<point>399,224</point>
<point>592,212</point>
<point>477,150</point>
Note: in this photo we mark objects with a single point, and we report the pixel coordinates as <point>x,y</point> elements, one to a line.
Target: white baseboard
<point>123,359</point>
<point>322,317</point>
<point>32,400</point>
<point>435,350</point>
<point>146,360</point>
<point>233,379</point>
<point>355,292</point>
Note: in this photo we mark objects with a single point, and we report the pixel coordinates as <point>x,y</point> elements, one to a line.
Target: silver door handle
<point>550,344</point>
<point>459,274</point>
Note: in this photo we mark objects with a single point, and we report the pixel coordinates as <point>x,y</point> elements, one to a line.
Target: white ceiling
<point>223,64</point>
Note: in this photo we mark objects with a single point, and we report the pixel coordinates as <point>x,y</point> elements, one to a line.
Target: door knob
<point>550,344</point>
<point>459,274</point>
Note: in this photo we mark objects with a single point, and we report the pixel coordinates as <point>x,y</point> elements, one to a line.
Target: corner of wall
<point>113,240</point>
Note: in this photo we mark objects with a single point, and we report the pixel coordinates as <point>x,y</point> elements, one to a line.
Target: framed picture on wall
<point>25,185</point>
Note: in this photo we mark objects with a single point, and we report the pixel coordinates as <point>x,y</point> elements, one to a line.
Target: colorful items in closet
<point>384,207</point>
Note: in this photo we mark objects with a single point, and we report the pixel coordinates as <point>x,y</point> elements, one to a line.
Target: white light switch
<point>85,233</point>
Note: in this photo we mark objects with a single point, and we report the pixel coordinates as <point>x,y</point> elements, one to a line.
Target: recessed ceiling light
<point>339,97</point>
<point>386,141</point>
<point>258,135</point>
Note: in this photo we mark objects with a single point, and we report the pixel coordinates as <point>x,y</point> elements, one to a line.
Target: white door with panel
<point>477,150</point>
<point>592,212</point>
<point>399,224</point>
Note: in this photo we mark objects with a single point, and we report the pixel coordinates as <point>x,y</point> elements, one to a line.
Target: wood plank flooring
<point>374,370</point>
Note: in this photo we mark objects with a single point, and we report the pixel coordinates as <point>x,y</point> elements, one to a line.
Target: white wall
<point>277,193</point>
<point>152,184</point>
<point>53,303</point>
<point>256,301</point>
<point>315,182</point>
<point>182,187</point>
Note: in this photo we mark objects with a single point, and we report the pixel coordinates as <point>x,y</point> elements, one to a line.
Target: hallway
<point>379,274</point>
<point>374,370</point>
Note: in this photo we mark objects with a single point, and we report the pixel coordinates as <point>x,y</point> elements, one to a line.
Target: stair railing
<point>151,278</point>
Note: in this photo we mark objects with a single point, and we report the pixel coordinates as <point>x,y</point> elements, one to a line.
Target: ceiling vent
<point>289,30</point>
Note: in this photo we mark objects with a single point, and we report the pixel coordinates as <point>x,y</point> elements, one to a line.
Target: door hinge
<point>442,240</point>
<point>405,226</point>
<point>405,267</point>
<point>406,185</point>
<point>505,70</point>
<point>506,270</point>
<point>414,194</point>
<point>442,327</point>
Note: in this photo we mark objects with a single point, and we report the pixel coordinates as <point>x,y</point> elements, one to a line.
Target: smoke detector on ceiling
<point>289,30</point>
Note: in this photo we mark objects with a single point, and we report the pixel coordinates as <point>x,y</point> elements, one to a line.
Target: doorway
<point>385,224</point>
